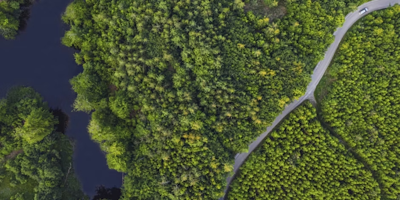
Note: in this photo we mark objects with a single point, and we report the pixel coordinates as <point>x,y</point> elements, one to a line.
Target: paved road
<point>319,71</point>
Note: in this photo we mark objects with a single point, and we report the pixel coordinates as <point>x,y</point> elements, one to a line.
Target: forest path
<point>12,155</point>
<point>318,73</point>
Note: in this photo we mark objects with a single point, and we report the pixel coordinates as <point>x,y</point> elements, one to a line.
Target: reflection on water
<point>37,58</point>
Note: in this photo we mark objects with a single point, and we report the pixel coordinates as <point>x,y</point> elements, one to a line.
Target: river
<point>37,58</point>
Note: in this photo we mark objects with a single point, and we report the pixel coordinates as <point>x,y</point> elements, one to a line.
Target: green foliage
<point>24,111</point>
<point>36,161</point>
<point>363,103</point>
<point>9,190</point>
<point>179,87</point>
<point>9,17</point>
<point>271,3</point>
<point>37,125</point>
<point>301,160</point>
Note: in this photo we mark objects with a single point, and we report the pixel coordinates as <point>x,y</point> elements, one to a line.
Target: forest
<point>176,88</point>
<point>300,159</point>
<point>35,159</point>
<point>351,149</point>
<point>361,102</point>
<point>10,11</point>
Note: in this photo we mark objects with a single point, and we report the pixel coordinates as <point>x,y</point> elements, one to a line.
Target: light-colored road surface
<point>319,71</point>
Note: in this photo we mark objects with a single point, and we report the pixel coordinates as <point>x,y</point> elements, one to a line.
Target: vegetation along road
<point>319,71</point>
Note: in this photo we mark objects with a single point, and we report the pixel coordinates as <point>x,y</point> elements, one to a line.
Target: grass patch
<point>273,9</point>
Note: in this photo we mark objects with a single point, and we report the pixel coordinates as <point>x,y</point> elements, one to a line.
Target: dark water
<point>37,58</point>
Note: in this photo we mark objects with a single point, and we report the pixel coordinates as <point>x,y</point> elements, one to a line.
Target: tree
<point>38,124</point>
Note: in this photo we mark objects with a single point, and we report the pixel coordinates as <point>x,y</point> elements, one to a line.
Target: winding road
<point>319,71</point>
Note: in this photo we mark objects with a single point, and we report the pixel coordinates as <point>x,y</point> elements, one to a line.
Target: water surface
<point>37,58</point>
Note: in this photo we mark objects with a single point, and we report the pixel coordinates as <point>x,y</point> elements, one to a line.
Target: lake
<point>37,58</point>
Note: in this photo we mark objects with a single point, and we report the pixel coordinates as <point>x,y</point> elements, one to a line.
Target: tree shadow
<point>63,120</point>
<point>102,192</point>
<point>25,14</point>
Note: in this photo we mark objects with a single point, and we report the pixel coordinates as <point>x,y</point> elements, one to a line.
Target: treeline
<point>179,87</point>
<point>362,101</point>
<point>9,17</point>
<point>35,160</point>
<point>301,160</point>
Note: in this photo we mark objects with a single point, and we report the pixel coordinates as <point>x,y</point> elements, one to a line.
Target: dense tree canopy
<point>301,160</point>
<point>35,161</point>
<point>179,86</point>
<point>362,102</point>
<point>9,17</point>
